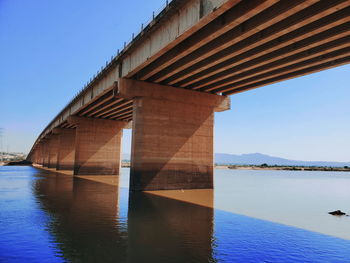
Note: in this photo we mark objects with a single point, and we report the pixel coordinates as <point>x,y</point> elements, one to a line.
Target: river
<point>251,216</point>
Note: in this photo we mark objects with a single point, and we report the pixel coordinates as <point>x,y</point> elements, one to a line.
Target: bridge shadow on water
<point>95,221</point>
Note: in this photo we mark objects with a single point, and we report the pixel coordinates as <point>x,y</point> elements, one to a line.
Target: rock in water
<point>337,213</point>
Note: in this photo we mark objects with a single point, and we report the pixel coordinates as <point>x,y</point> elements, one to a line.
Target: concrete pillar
<point>33,156</point>
<point>172,137</point>
<point>42,151</point>
<point>66,149</point>
<point>39,155</point>
<point>36,157</point>
<point>46,147</point>
<point>53,151</point>
<point>97,146</point>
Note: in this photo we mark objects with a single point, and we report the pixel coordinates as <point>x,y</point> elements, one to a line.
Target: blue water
<point>47,217</point>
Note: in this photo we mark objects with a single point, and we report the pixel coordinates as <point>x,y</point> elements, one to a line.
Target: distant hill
<point>125,157</point>
<point>258,158</point>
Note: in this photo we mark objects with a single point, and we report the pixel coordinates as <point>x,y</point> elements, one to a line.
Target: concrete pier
<point>53,151</point>
<point>41,153</point>
<point>172,136</point>
<point>66,149</point>
<point>46,147</point>
<point>38,154</point>
<point>97,146</point>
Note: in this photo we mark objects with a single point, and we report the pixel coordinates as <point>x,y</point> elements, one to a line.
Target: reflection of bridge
<point>88,224</point>
<point>177,72</point>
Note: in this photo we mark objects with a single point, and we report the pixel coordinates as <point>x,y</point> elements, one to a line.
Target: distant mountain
<point>125,157</point>
<point>258,158</point>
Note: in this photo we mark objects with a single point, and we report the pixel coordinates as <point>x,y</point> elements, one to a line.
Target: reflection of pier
<point>84,218</point>
<point>169,229</point>
<point>95,222</point>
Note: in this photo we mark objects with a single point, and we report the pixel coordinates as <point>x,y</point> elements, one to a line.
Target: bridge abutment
<point>97,146</point>
<point>172,136</point>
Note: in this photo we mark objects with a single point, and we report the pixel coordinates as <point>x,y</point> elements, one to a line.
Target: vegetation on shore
<point>125,164</point>
<point>18,163</point>
<point>265,166</point>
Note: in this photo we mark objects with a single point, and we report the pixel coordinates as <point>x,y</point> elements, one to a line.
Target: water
<point>252,216</point>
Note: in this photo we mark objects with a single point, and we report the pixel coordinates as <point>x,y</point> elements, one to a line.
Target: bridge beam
<point>97,146</point>
<point>66,148</point>
<point>172,136</point>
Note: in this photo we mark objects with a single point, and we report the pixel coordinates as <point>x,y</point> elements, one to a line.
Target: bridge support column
<point>172,143</point>
<point>97,146</point>
<point>45,152</point>
<point>38,154</point>
<point>34,157</point>
<point>39,159</point>
<point>41,149</point>
<point>66,149</point>
<point>53,151</point>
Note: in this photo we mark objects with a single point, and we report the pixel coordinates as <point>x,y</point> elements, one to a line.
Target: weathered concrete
<point>172,144</point>
<point>45,152</point>
<point>97,146</point>
<point>38,154</point>
<point>39,159</point>
<point>53,151</point>
<point>66,149</point>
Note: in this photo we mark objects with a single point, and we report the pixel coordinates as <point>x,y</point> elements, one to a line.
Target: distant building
<point>12,156</point>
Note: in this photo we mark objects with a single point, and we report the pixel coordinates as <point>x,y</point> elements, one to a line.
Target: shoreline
<point>283,168</point>
<point>263,167</point>
<point>252,167</point>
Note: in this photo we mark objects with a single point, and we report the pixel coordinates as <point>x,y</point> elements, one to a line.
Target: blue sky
<point>49,49</point>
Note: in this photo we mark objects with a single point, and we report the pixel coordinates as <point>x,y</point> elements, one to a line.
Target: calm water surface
<point>252,216</point>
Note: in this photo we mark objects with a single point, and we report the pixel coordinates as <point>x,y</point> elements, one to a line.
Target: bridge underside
<point>254,44</point>
<point>243,45</point>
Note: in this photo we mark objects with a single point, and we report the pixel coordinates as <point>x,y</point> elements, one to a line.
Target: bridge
<point>169,80</point>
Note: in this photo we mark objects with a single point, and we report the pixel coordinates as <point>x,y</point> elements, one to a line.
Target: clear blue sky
<point>49,49</point>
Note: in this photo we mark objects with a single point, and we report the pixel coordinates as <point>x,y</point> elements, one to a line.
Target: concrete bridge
<point>169,80</point>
